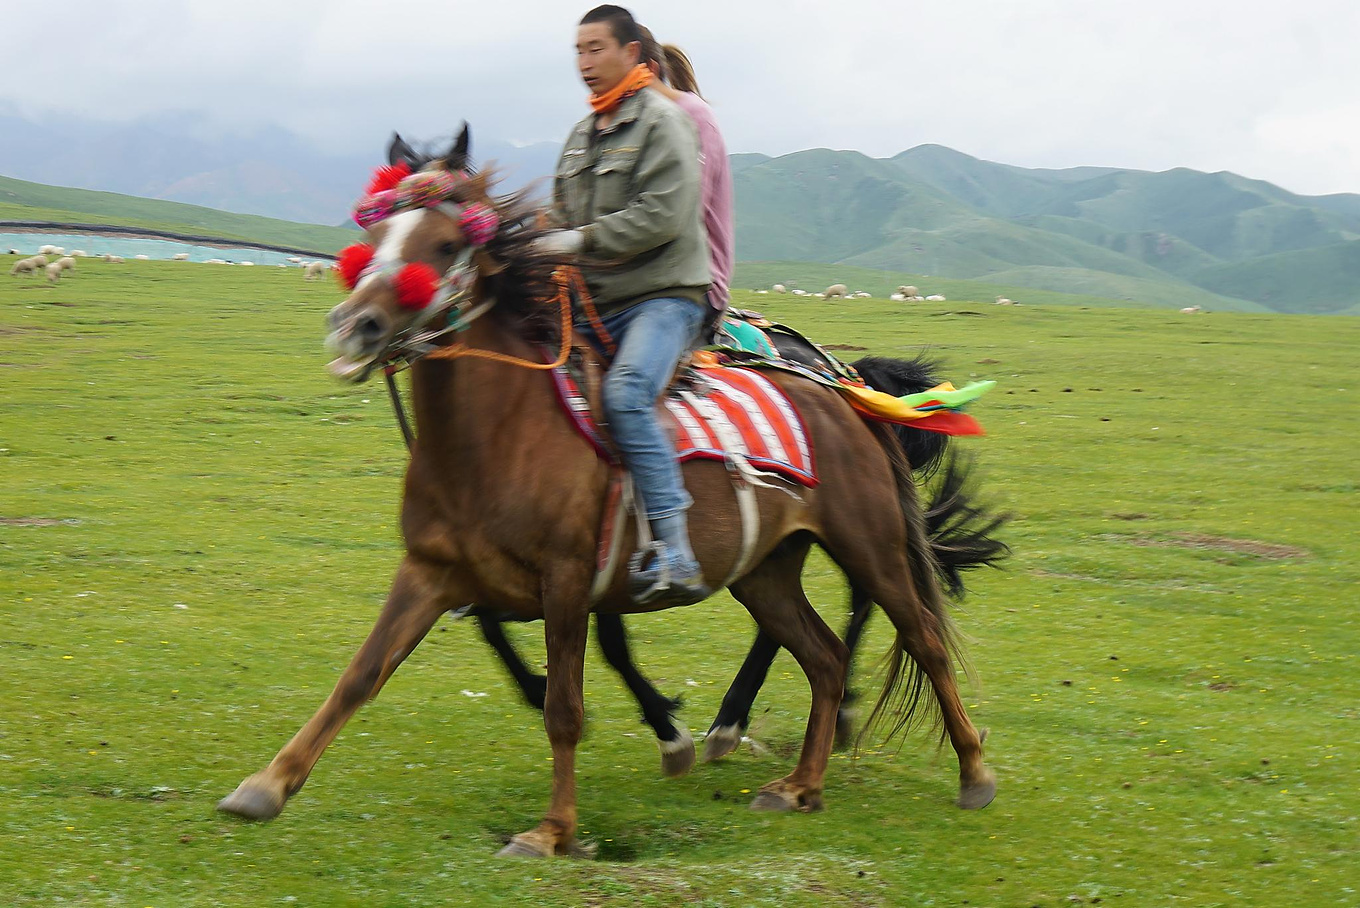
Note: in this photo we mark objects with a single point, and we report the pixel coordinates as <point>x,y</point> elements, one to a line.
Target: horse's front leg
<point>566,618</point>
<point>419,595</point>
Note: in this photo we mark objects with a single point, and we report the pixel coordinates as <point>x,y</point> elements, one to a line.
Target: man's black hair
<point>621,22</point>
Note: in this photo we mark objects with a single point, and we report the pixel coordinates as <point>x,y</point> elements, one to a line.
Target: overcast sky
<point>1266,88</point>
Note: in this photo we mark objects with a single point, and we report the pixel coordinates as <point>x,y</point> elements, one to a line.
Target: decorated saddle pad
<point>718,413</point>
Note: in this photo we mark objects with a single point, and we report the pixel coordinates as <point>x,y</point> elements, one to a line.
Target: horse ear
<point>398,152</point>
<point>457,158</point>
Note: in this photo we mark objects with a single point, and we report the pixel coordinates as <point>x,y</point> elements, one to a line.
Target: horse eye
<point>448,248</point>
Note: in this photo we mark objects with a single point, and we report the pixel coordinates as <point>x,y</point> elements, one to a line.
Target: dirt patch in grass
<point>1270,551</point>
<point>34,522</point>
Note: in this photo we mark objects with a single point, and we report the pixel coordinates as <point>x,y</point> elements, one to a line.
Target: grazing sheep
<point>79,253</point>
<point>142,258</point>
<point>51,250</point>
<point>800,293</point>
<point>113,259</point>
<point>24,266</point>
<point>908,291</point>
<point>1192,309</point>
<point>836,292</point>
<point>862,295</point>
<point>54,273</point>
<point>246,264</point>
<point>180,257</point>
<point>66,263</point>
<point>780,288</point>
<point>314,270</point>
<point>296,260</point>
<point>935,298</point>
<point>15,252</point>
<point>762,292</point>
<point>896,297</point>
<point>1003,301</point>
<point>39,259</point>
<point>215,262</point>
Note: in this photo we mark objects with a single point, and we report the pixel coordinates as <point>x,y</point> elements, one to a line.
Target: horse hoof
<point>677,757</point>
<point>979,794</point>
<point>721,741</point>
<point>772,802</point>
<point>782,801</point>
<point>253,800</point>
<point>520,847</point>
<point>582,851</point>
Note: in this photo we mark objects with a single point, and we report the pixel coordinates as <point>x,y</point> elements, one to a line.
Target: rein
<point>568,282</point>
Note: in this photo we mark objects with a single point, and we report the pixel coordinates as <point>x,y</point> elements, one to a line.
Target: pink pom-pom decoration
<point>376,207</point>
<point>479,224</point>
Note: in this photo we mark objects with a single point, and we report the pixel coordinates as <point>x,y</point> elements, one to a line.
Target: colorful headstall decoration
<point>396,188</point>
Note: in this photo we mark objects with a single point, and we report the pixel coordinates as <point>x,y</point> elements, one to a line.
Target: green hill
<point>23,201</point>
<point>1326,279</point>
<point>1174,238</point>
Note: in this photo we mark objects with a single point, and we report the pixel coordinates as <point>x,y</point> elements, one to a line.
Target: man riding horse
<point>626,196</point>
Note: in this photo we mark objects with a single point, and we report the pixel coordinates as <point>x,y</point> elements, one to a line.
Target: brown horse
<point>503,506</point>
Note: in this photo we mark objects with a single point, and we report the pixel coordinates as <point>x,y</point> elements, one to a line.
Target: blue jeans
<point>652,336</point>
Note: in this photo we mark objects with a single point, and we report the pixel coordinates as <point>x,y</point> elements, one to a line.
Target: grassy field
<point>197,527</point>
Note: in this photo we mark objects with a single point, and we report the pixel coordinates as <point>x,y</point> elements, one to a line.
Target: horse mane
<point>516,276</point>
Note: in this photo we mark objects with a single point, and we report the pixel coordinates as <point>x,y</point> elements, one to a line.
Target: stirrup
<point>649,585</point>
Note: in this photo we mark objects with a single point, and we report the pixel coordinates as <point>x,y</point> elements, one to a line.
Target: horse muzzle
<point>359,335</point>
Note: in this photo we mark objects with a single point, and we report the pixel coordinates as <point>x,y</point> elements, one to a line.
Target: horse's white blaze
<point>389,253</point>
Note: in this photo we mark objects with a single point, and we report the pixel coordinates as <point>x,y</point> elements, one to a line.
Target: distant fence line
<point>112,229</point>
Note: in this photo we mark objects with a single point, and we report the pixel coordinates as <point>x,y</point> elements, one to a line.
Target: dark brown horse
<point>503,506</point>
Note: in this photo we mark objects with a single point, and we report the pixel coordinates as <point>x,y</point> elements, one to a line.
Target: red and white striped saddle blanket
<point>722,411</point>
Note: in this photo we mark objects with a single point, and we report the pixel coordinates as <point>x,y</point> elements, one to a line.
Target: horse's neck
<point>467,409</point>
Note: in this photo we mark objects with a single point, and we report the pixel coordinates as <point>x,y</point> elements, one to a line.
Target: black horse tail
<point>962,532</point>
<point>924,450</point>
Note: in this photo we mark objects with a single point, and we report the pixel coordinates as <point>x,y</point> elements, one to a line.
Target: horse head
<point>431,228</point>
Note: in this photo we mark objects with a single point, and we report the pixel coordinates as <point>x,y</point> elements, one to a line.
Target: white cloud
<point>1263,87</point>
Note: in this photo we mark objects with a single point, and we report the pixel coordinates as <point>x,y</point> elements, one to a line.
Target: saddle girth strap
<point>741,484</point>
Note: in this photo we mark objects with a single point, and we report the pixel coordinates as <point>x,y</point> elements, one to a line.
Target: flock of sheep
<point>905,293</point>
<point>42,263</point>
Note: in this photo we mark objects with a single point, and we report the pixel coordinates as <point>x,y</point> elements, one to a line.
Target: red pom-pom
<point>415,285</point>
<point>388,177</point>
<point>351,262</point>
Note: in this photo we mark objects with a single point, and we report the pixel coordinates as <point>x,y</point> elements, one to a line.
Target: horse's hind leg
<point>675,741</point>
<point>418,597</point>
<point>774,596</point>
<point>734,716</point>
<point>861,607</point>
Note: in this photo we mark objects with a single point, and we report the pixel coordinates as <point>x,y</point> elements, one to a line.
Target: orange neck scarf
<point>637,79</point>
